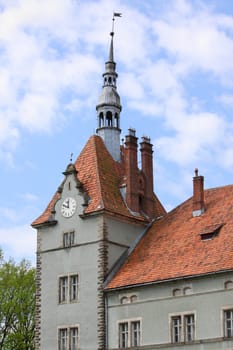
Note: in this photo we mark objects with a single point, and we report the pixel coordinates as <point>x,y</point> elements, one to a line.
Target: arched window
<point>176,292</point>
<point>109,118</point>
<point>116,121</point>
<point>228,285</point>
<point>101,120</point>
<point>110,80</point>
<point>124,300</point>
<point>133,298</point>
<point>187,290</point>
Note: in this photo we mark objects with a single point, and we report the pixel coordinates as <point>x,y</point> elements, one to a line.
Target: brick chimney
<point>198,194</point>
<point>131,169</point>
<point>147,169</point>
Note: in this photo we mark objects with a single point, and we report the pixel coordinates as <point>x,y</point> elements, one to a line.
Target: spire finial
<point>115,14</point>
<point>71,157</point>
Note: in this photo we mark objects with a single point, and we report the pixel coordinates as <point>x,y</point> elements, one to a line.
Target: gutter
<point>168,280</point>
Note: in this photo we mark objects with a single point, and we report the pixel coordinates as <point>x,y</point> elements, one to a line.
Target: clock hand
<point>66,204</point>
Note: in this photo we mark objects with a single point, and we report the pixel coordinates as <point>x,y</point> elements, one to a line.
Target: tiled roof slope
<point>101,178</point>
<point>173,247</point>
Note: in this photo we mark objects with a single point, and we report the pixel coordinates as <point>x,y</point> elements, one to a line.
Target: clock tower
<point>98,212</point>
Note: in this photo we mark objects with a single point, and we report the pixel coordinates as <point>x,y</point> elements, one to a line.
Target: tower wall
<point>111,138</point>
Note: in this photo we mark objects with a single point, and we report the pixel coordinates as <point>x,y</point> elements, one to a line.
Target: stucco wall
<point>155,304</point>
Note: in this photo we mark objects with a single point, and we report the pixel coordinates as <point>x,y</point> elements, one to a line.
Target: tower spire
<point>111,57</point>
<point>109,106</point>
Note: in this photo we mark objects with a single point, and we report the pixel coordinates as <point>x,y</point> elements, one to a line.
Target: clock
<point>68,207</point>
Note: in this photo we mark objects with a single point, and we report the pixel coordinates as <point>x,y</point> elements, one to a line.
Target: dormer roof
<point>176,246</point>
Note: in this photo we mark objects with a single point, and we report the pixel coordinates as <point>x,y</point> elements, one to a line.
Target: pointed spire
<point>111,59</point>
<point>109,106</point>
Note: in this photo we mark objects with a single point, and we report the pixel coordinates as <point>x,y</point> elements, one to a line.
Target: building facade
<point>114,270</point>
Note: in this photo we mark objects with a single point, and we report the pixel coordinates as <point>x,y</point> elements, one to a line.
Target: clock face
<point>68,207</point>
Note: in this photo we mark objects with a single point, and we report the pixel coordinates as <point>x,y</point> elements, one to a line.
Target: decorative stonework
<point>102,271</point>
<point>38,292</point>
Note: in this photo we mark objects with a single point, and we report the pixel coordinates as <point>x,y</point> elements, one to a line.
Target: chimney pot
<point>132,132</point>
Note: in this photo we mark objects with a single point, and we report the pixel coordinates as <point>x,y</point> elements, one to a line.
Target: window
<point>74,288</point>
<point>63,339</point>
<point>210,232</point>
<point>228,285</point>
<point>68,338</point>
<point>127,299</point>
<point>68,239</point>
<point>63,289</point>
<point>135,333</point>
<point>68,288</point>
<point>182,328</point>
<point>129,334</point>
<point>73,338</point>
<point>123,335</point>
<point>228,323</point>
<point>176,292</point>
<point>189,328</point>
<point>124,300</point>
<point>133,298</point>
<point>187,290</point>
<point>182,291</point>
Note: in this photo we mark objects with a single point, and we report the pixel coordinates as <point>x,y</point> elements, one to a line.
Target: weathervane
<point>115,14</point>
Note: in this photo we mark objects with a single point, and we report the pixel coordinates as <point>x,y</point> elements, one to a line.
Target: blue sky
<point>175,66</point>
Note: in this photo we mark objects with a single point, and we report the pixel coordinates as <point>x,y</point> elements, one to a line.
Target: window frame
<point>185,330</point>
<point>129,336</point>
<point>225,328</point>
<point>63,289</point>
<point>61,345</point>
<point>68,239</point>
<point>68,292</point>
<point>68,345</point>
<point>74,288</point>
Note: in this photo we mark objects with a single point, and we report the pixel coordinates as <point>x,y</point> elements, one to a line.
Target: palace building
<point>114,269</point>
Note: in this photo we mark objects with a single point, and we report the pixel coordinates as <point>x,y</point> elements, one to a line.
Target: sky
<point>175,79</point>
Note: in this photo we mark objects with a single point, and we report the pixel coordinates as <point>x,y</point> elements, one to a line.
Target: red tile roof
<point>173,247</point>
<point>101,178</point>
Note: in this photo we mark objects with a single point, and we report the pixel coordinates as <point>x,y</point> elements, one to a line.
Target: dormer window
<point>210,232</point>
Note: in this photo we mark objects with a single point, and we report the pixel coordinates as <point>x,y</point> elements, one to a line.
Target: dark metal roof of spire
<point>111,56</point>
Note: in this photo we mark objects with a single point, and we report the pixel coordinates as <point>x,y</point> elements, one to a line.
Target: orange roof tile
<point>46,216</point>
<point>173,247</point>
<point>101,178</point>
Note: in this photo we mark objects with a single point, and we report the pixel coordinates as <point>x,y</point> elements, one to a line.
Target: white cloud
<point>38,64</point>
<point>52,58</point>
<point>197,37</point>
<point>195,138</point>
<point>18,242</point>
